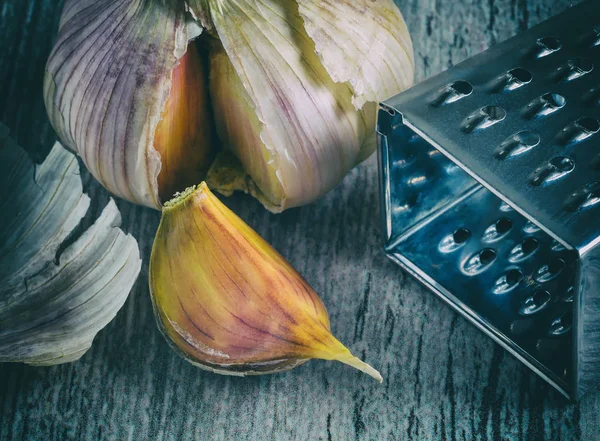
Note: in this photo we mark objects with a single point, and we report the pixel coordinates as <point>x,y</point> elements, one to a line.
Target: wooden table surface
<point>444,380</point>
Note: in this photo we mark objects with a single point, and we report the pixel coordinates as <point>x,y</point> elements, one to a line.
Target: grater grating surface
<point>490,186</point>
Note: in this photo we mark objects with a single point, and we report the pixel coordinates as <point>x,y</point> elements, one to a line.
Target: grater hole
<point>462,87</point>
<point>546,46</point>
<point>555,100</point>
<point>517,144</point>
<point>513,79</point>
<point>562,164</point>
<point>412,200</point>
<point>573,69</point>
<point>538,301</point>
<point>550,271</point>
<point>479,261</point>
<point>586,197</point>
<point>454,241</point>
<point>504,225</point>
<point>513,277</point>
<point>494,113</point>
<point>505,207</point>
<point>530,245</point>
<point>497,230</point>
<point>391,111</point>
<point>544,105</point>
<point>553,170</point>
<point>521,75</point>
<point>416,180</point>
<point>557,246</point>
<point>508,281</point>
<point>590,125</point>
<point>524,250</point>
<point>483,118</point>
<point>461,235</point>
<point>541,297</point>
<point>556,266</point>
<point>487,256</point>
<point>561,325</point>
<point>452,92</point>
<point>593,38</point>
<point>592,97</point>
<point>569,296</point>
<point>579,131</point>
<point>530,227</point>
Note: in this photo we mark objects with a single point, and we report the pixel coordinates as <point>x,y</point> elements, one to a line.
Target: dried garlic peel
<point>54,301</point>
<point>227,301</point>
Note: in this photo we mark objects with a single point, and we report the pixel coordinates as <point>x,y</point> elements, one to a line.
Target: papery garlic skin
<point>295,102</point>
<point>227,301</point>
<point>56,296</point>
<point>363,43</point>
<point>107,82</point>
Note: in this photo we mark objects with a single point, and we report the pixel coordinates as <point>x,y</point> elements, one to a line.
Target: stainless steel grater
<point>490,191</point>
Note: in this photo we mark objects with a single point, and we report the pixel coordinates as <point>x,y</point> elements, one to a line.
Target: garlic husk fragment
<point>53,301</point>
<point>108,80</point>
<point>295,121</point>
<point>199,10</point>
<point>363,43</point>
<point>227,301</point>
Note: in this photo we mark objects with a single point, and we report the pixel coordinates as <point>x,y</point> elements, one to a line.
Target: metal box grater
<point>490,190</point>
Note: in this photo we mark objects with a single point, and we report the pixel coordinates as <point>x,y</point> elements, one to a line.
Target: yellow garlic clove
<point>227,301</point>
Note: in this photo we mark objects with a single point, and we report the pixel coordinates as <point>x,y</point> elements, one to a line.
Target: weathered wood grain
<point>444,380</point>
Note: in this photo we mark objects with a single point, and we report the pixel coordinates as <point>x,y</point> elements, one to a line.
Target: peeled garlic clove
<point>54,296</point>
<point>296,128</point>
<point>227,301</point>
<point>108,80</point>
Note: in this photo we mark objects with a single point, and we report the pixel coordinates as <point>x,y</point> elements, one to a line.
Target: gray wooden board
<point>444,380</point>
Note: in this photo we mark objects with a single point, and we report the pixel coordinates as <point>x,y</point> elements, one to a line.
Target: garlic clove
<point>294,130</point>
<point>185,127</point>
<point>296,98</point>
<point>227,301</point>
<point>54,296</point>
<point>363,43</point>
<point>107,82</point>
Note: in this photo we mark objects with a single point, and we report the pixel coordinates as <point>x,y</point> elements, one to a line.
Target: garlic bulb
<point>55,296</point>
<point>293,87</point>
<point>227,301</point>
